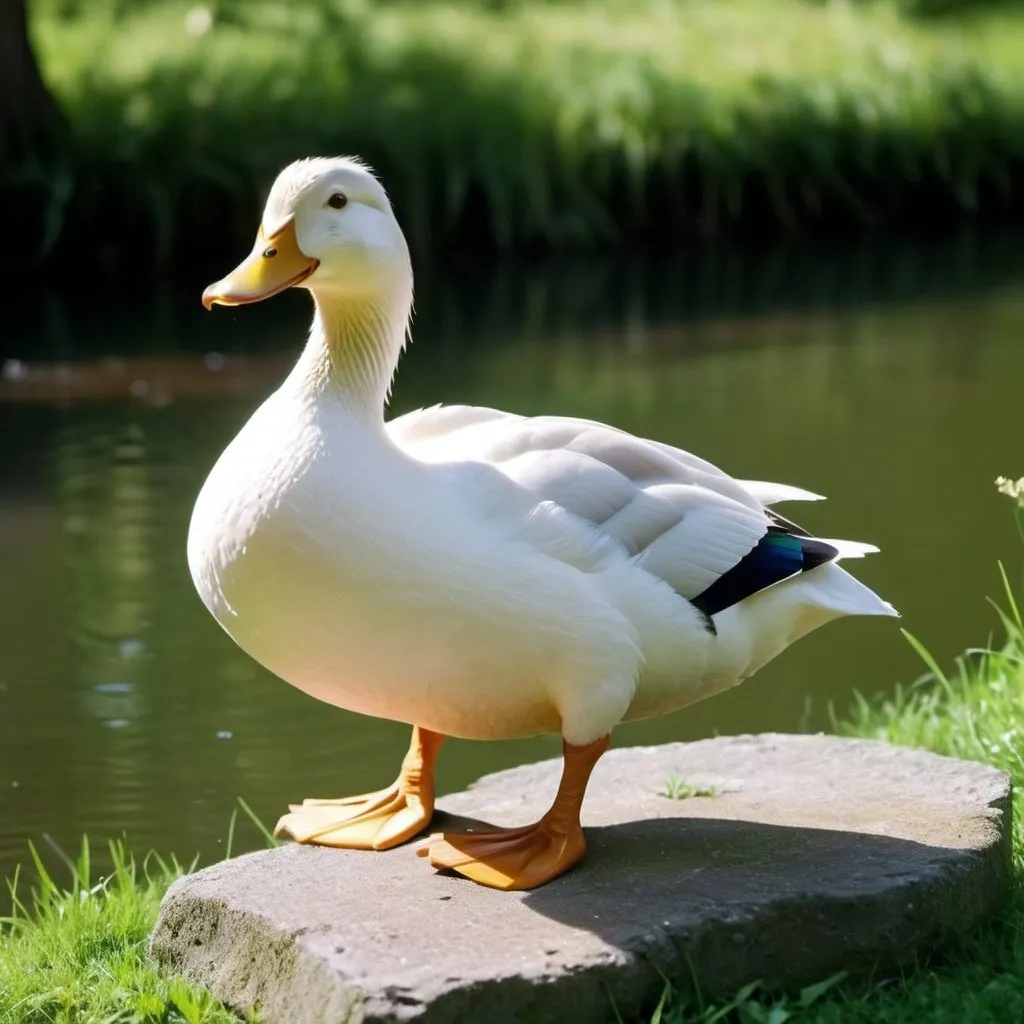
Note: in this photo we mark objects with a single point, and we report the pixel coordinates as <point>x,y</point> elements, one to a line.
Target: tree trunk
<point>31,123</point>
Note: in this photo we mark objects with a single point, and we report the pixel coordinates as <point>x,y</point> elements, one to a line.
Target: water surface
<point>888,379</point>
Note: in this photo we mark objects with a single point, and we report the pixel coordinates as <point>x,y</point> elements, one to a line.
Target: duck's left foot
<point>524,858</point>
<point>518,858</point>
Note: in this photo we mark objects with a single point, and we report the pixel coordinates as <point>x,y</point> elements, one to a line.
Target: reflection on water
<point>889,383</point>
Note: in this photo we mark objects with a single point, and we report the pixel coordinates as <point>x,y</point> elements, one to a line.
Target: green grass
<point>76,953</point>
<point>77,956</point>
<point>526,122</point>
<point>677,788</point>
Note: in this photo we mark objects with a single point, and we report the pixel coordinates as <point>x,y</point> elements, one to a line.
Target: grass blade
<point>229,844</point>
<point>926,656</point>
<point>268,836</point>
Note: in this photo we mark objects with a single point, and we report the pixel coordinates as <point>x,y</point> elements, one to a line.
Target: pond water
<point>889,379</point>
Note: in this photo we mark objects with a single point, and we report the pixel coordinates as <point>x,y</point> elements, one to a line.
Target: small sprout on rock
<point>677,789</point>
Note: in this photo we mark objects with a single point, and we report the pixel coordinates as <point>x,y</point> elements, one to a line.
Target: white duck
<point>472,572</point>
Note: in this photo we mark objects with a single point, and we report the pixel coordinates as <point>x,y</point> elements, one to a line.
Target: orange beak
<point>274,264</point>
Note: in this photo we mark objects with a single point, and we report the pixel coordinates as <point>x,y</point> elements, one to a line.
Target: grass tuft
<point>77,954</point>
<point>677,788</point>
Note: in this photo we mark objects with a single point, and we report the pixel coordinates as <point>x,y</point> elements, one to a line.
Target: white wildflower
<point>198,21</point>
<point>1011,488</point>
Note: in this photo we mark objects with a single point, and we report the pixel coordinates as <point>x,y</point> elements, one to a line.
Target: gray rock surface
<point>815,854</point>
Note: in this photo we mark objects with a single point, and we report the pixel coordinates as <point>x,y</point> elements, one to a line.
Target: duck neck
<point>353,349</point>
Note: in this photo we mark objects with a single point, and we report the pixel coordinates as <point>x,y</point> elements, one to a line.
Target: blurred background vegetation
<point>153,127</point>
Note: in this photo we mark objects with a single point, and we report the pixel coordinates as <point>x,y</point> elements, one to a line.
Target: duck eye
<point>337,201</point>
<point>270,253</point>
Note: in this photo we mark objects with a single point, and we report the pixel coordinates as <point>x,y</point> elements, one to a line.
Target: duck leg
<point>373,821</point>
<point>523,858</point>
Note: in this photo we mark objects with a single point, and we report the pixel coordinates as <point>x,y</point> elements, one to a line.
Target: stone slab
<point>816,854</point>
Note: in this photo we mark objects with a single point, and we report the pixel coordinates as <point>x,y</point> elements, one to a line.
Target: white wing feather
<point>771,494</point>
<point>682,518</point>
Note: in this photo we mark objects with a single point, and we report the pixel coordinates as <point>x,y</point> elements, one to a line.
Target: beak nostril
<point>256,278</point>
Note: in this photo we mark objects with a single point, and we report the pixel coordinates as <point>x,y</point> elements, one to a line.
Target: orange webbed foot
<point>524,858</point>
<point>375,821</point>
<point>518,858</point>
<point>372,821</point>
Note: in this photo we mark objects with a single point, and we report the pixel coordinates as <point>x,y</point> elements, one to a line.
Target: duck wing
<point>712,538</point>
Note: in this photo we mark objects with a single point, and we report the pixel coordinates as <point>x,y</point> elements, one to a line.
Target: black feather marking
<point>786,524</point>
<point>709,623</point>
<point>778,555</point>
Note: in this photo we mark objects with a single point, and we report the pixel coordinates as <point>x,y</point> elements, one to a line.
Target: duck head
<point>327,226</point>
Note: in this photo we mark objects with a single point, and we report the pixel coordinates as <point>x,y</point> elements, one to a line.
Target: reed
<point>527,123</point>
